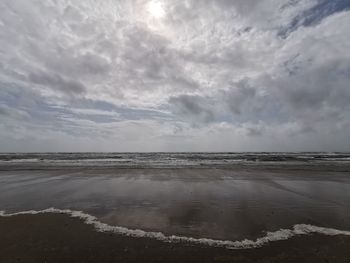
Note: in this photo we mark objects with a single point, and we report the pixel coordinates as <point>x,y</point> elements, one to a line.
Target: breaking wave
<point>282,234</point>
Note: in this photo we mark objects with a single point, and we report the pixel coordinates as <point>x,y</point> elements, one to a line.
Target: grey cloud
<point>81,65</point>
<point>213,72</point>
<point>193,107</point>
<point>254,132</point>
<point>148,60</point>
<point>317,96</point>
<point>70,87</point>
<point>240,96</point>
<point>13,113</point>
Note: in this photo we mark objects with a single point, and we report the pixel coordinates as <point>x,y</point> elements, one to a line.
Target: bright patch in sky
<point>156,9</point>
<point>169,75</point>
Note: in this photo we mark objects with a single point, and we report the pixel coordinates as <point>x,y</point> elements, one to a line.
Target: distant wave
<point>168,159</point>
<point>282,234</point>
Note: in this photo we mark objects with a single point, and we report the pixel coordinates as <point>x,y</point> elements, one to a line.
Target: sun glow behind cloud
<point>174,75</point>
<point>156,9</point>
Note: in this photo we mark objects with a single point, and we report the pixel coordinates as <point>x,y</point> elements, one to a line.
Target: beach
<point>58,238</point>
<point>279,210</point>
<point>175,131</point>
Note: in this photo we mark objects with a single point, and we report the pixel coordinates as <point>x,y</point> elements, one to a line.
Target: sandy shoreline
<point>200,203</point>
<point>60,238</point>
<point>221,204</point>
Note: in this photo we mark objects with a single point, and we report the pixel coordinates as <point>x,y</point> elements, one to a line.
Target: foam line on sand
<point>282,234</point>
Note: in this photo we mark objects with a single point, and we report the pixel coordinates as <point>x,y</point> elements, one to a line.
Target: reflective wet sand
<point>229,204</point>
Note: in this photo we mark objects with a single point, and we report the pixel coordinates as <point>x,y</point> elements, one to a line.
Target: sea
<point>179,160</point>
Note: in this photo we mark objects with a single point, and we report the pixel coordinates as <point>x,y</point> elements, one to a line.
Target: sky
<point>169,75</point>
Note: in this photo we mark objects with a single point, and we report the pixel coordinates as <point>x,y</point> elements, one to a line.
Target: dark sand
<point>225,204</point>
<point>59,238</point>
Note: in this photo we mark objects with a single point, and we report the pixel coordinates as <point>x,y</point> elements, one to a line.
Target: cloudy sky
<point>169,75</point>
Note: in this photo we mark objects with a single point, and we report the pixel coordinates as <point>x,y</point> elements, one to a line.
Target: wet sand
<point>58,238</point>
<point>232,203</point>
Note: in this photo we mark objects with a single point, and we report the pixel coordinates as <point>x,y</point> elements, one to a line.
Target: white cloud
<point>207,75</point>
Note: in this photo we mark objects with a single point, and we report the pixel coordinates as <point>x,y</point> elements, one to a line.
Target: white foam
<point>282,234</point>
<point>28,160</point>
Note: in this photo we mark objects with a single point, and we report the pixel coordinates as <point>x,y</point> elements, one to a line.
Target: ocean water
<point>159,160</point>
<point>217,196</point>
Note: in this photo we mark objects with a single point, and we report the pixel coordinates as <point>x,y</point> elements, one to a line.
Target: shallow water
<point>233,204</point>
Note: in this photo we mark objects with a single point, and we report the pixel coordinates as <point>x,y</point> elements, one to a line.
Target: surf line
<point>282,234</point>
